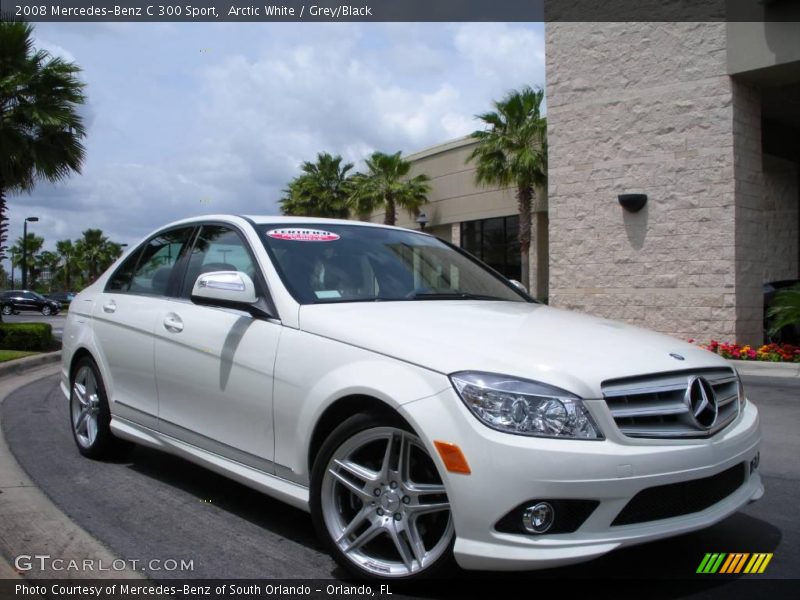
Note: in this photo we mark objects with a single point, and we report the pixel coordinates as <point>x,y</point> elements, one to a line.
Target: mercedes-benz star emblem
<point>702,402</point>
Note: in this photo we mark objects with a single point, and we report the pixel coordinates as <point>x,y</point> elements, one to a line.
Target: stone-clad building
<point>704,118</point>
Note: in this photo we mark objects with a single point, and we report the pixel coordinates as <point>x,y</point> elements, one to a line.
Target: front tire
<point>378,502</point>
<point>46,310</point>
<point>8,309</point>
<point>90,416</point>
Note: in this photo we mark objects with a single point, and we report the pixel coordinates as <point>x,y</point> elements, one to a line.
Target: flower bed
<point>767,352</point>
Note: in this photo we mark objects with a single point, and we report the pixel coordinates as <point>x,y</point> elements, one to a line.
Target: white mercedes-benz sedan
<point>419,405</point>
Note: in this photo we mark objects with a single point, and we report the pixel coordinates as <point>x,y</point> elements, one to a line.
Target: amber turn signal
<point>452,457</point>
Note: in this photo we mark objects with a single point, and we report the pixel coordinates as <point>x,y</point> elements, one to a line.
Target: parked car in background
<point>14,301</point>
<point>418,404</point>
<point>63,298</point>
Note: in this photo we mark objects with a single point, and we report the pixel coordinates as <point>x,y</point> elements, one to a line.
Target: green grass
<point>6,355</point>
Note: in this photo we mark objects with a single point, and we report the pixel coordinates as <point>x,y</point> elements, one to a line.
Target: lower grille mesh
<point>682,498</point>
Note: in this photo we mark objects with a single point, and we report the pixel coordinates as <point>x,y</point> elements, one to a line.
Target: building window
<point>495,242</point>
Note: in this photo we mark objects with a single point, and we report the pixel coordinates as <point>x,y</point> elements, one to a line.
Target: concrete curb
<point>758,368</point>
<point>21,365</point>
<point>32,524</point>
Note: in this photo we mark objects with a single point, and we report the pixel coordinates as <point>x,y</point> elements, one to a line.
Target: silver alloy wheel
<point>384,505</point>
<point>85,407</point>
<point>46,310</point>
<point>7,310</point>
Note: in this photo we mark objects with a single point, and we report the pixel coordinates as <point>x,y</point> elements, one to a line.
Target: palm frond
<point>784,309</point>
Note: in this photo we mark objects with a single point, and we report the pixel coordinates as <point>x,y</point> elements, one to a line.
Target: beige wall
<point>649,107</point>
<point>454,196</point>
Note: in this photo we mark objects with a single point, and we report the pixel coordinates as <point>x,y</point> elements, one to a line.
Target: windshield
<point>352,263</point>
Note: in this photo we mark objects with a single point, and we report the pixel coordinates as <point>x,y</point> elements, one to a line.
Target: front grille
<point>654,406</point>
<point>682,498</point>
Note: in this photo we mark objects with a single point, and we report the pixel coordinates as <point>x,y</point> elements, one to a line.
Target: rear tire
<point>378,502</point>
<point>8,309</point>
<point>90,417</point>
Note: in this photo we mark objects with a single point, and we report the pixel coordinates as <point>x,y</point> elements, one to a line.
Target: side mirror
<point>518,285</point>
<point>230,289</point>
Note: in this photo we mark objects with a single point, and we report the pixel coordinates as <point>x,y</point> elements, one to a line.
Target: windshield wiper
<point>422,295</point>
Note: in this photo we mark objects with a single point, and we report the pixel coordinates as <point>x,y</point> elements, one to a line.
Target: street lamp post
<point>25,250</point>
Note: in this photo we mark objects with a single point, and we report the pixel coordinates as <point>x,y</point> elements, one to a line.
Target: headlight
<point>525,407</point>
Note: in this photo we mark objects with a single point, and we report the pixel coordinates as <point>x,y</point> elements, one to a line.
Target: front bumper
<point>508,470</point>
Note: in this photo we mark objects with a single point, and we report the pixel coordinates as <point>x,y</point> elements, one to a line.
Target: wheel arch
<point>79,354</point>
<point>343,409</point>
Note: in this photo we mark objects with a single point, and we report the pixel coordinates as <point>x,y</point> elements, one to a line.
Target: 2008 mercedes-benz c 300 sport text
<point>420,406</point>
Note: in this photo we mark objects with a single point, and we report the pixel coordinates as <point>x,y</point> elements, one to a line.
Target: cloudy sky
<point>192,118</point>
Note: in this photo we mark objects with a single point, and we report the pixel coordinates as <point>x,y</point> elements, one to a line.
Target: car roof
<point>281,220</point>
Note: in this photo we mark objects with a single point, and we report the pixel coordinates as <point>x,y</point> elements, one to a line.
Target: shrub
<point>37,337</point>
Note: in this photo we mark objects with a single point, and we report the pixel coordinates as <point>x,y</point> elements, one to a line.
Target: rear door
<point>214,366</point>
<point>124,317</point>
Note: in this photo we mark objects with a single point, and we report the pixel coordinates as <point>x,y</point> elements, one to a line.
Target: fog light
<point>754,463</point>
<point>538,518</point>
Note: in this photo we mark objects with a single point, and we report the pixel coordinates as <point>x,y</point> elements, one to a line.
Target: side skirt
<point>281,489</point>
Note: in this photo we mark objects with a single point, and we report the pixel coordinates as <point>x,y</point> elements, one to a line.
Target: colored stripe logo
<point>735,562</point>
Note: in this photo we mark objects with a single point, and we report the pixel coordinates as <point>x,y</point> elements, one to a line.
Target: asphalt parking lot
<point>153,506</point>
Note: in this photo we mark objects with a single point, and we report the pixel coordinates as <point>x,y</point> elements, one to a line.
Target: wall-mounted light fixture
<point>422,220</point>
<point>632,202</point>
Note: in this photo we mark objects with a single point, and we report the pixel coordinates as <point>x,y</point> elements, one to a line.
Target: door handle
<point>110,307</point>
<point>173,323</point>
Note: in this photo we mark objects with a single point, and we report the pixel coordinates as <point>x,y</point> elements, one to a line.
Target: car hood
<point>570,350</point>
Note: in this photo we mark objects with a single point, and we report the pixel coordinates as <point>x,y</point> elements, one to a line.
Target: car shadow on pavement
<point>225,494</point>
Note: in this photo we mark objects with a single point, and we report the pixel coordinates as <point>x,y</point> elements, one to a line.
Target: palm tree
<point>321,191</point>
<point>68,256</point>
<point>512,151</point>
<point>27,248</point>
<point>386,184</point>
<point>40,128</point>
<point>784,309</point>
<point>93,250</point>
<point>113,252</point>
<point>47,262</point>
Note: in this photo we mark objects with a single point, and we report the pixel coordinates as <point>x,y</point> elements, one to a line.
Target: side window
<point>120,280</point>
<point>217,248</point>
<point>150,271</point>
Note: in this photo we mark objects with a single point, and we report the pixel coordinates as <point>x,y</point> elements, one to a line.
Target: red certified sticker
<point>302,235</point>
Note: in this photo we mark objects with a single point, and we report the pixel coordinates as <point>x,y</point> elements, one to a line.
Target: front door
<point>214,366</point>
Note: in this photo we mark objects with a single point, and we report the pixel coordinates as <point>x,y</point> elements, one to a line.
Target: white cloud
<point>199,118</point>
<point>505,54</point>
